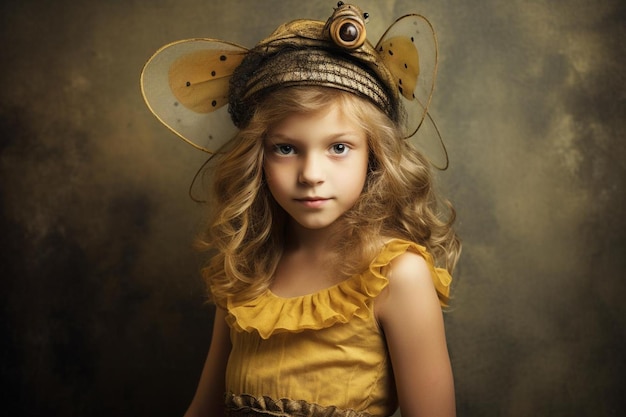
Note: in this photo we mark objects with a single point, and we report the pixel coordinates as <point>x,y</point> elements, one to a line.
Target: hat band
<point>317,67</point>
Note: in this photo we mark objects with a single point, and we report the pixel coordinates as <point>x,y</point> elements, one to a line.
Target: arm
<point>209,397</point>
<point>410,314</point>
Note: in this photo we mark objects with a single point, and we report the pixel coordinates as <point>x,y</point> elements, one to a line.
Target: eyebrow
<point>330,138</point>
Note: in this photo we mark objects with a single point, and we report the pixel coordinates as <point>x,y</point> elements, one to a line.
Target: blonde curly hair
<point>246,226</point>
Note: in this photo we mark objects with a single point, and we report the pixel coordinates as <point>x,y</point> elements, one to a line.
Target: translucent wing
<point>409,49</point>
<point>185,85</point>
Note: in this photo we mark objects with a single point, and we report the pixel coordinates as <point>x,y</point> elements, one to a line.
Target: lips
<point>313,202</point>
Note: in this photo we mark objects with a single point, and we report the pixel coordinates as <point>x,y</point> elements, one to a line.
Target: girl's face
<point>316,165</point>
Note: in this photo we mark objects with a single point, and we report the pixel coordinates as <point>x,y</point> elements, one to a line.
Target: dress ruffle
<point>269,314</point>
<point>250,406</point>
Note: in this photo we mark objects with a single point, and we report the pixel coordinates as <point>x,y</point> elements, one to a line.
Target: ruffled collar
<point>270,314</point>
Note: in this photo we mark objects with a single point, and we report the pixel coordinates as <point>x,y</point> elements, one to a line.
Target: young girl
<point>326,233</point>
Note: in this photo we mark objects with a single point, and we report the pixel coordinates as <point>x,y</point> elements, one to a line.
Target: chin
<point>316,225</point>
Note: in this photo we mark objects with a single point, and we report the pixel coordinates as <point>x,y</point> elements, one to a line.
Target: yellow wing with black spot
<point>185,84</point>
<point>409,50</point>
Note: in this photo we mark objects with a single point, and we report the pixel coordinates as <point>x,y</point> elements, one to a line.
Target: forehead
<point>328,122</point>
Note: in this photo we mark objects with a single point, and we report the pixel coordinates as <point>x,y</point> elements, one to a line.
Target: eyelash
<point>281,148</point>
<point>344,148</point>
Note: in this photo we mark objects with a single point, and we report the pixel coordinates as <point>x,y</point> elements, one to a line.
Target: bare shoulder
<point>410,286</point>
<point>409,269</point>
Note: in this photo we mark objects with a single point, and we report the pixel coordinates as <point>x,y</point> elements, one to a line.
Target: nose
<point>311,170</point>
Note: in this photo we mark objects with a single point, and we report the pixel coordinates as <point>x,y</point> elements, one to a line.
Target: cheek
<point>274,181</point>
<point>362,172</point>
<point>354,183</point>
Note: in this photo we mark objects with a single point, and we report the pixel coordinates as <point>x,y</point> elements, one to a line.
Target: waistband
<point>249,406</point>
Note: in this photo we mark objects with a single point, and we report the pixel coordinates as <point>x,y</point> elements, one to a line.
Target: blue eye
<point>284,149</point>
<point>339,149</point>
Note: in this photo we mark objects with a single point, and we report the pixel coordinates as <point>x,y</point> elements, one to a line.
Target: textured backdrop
<point>101,305</point>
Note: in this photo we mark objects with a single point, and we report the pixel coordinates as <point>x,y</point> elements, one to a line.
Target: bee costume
<point>321,354</point>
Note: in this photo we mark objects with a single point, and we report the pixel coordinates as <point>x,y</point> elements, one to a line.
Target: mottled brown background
<point>101,305</point>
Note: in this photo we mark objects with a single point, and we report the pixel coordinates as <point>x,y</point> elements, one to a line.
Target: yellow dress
<point>318,354</point>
